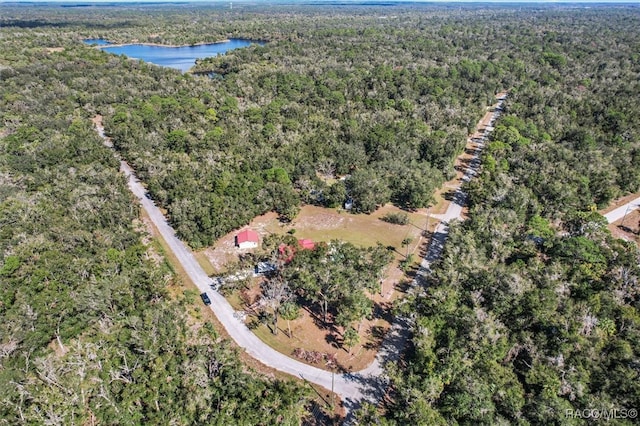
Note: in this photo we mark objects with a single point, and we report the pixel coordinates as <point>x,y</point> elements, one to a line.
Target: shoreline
<point>102,46</point>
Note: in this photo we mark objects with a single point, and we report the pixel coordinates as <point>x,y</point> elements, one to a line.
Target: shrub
<point>396,218</point>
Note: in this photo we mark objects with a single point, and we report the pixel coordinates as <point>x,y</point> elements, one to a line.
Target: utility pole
<point>333,372</point>
<point>428,216</point>
<point>625,215</point>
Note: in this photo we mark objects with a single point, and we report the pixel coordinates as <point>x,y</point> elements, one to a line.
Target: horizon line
<point>307,2</point>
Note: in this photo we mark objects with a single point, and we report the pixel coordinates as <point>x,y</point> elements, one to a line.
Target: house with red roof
<point>247,239</point>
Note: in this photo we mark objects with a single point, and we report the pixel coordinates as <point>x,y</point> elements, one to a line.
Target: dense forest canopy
<point>533,308</point>
<point>89,332</point>
<point>384,100</point>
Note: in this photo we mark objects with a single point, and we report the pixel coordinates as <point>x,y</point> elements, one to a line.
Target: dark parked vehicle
<point>205,298</point>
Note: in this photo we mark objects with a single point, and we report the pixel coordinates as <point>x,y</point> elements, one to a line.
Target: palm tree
<point>289,311</point>
<point>350,338</point>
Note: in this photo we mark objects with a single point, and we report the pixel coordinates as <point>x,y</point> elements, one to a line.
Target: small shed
<point>287,252</point>
<point>348,205</point>
<point>247,239</point>
<point>307,244</point>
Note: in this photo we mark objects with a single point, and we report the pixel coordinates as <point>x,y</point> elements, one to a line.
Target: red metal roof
<point>287,252</point>
<point>247,235</point>
<point>307,244</point>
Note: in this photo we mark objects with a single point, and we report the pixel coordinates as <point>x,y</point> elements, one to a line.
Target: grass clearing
<point>204,262</point>
<point>322,224</point>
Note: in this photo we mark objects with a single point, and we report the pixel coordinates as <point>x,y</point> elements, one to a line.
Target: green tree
<point>368,190</point>
<point>289,311</point>
<point>350,338</point>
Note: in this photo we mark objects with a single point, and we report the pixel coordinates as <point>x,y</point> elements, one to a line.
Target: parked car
<point>205,298</point>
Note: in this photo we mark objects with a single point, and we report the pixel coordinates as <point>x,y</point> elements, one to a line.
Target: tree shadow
<point>435,248</point>
<point>626,229</point>
<point>449,194</point>
<point>470,151</point>
<point>456,196</point>
<point>424,248</point>
<point>463,164</point>
<point>394,249</point>
<point>375,337</point>
<point>411,271</point>
<point>382,310</point>
<point>403,286</point>
<point>318,318</point>
<point>332,339</point>
<point>319,416</point>
<point>416,226</point>
<point>374,387</point>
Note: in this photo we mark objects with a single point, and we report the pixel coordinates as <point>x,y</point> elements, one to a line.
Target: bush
<point>396,218</point>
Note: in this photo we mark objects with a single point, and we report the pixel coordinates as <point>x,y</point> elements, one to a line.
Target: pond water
<point>181,57</point>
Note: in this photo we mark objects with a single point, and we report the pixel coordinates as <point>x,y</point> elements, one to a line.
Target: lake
<point>181,58</point>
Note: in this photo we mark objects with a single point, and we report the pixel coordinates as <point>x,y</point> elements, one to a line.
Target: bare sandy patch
<point>629,229</point>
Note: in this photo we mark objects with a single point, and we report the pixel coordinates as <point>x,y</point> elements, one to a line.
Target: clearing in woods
<point>322,224</point>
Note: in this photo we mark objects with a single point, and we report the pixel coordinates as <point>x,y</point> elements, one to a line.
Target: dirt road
<point>620,212</point>
<point>354,388</point>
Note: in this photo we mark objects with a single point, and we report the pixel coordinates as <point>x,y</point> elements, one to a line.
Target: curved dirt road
<point>353,388</point>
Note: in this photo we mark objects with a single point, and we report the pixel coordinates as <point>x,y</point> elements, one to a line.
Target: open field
<point>322,224</point>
